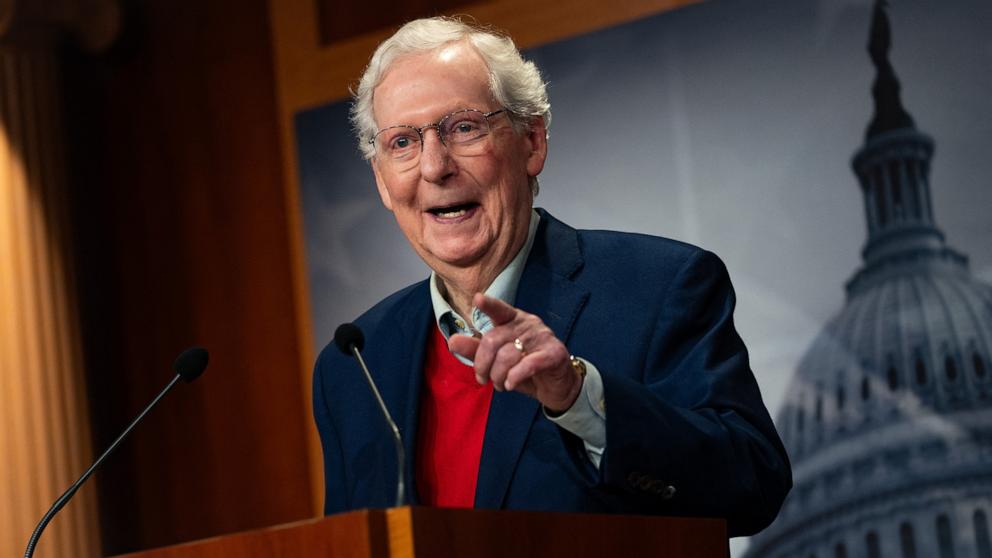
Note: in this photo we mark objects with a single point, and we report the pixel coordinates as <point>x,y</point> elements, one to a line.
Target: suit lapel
<point>546,290</point>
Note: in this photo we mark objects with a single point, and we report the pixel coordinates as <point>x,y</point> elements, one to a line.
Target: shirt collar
<point>504,287</point>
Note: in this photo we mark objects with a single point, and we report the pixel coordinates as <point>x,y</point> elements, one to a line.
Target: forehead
<point>420,88</point>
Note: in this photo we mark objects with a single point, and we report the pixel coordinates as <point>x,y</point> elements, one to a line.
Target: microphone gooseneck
<point>188,366</point>
<point>350,341</point>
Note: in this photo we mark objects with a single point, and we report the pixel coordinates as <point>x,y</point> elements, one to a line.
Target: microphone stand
<point>188,366</point>
<point>397,440</point>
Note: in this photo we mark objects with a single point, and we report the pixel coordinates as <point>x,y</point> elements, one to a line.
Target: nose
<point>436,164</point>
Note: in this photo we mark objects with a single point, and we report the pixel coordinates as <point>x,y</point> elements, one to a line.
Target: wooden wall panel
<point>182,239</point>
<point>343,20</point>
<point>310,72</point>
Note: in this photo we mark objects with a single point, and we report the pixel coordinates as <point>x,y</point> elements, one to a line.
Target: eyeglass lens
<point>461,132</point>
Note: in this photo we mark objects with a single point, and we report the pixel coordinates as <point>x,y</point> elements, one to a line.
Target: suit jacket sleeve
<point>693,430</point>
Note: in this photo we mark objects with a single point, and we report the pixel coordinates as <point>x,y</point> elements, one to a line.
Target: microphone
<point>350,340</point>
<point>188,367</point>
<point>348,335</point>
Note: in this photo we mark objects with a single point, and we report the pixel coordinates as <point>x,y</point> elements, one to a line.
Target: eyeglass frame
<point>437,126</point>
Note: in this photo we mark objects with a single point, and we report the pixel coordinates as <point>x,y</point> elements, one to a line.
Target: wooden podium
<point>416,532</point>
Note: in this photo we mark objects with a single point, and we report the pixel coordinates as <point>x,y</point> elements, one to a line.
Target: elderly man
<point>539,367</point>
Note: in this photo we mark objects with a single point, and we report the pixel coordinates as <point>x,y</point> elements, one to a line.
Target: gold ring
<point>519,345</point>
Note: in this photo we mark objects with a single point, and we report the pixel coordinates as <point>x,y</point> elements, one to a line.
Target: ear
<point>537,139</point>
<point>380,183</point>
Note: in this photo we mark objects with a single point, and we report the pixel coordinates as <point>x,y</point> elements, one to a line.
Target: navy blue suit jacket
<point>686,430</point>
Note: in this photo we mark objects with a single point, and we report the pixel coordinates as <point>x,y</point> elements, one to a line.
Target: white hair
<point>515,83</point>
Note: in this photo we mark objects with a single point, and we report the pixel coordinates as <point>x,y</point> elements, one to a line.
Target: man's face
<point>458,212</point>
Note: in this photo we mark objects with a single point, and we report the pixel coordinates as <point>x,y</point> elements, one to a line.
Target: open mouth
<point>453,211</point>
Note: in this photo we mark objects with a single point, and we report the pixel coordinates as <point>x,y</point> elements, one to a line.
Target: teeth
<point>450,214</point>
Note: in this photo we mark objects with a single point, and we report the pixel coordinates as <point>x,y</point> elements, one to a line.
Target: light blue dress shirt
<point>587,416</point>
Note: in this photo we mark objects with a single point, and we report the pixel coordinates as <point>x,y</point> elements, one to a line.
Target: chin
<point>458,258</point>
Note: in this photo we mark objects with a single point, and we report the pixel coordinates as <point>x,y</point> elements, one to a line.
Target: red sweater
<point>454,409</point>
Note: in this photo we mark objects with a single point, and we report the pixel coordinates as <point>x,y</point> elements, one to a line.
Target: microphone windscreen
<point>191,363</point>
<point>347,335</point>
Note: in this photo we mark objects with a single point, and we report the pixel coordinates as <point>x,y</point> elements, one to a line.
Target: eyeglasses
<point>463,132</point>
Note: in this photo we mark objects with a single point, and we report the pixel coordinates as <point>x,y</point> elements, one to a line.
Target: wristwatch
<point>577,365</point>
<point>580,370</point>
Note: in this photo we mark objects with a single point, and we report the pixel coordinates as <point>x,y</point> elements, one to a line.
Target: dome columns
<point>893,170</point>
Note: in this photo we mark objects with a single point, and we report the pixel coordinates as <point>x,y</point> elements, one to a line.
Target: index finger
<point>497,310</point>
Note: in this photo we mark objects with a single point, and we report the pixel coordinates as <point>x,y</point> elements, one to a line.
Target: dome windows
<point>907,541</point>
<point>978,363</point>
<point>983,545</point>
<point>893,376</point>
<point>950,368</point>
<point>945,541</point>
<point>873,546</point>
<point>920,369</point>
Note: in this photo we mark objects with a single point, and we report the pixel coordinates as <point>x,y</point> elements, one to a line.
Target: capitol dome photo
<point>888,417</point>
